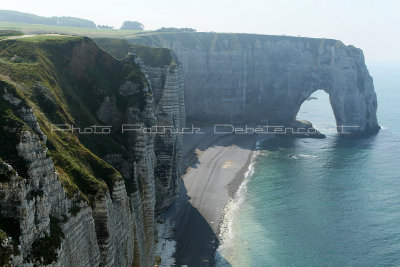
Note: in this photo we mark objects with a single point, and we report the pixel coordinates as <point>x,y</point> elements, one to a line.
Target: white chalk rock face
<point>265,79</point>
<point>168,89</point>
<point>117,227</point>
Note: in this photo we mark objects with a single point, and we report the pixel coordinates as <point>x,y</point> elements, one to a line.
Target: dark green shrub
<point>44,250</point>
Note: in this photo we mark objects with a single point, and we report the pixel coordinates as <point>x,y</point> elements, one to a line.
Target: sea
<point>322,202</point>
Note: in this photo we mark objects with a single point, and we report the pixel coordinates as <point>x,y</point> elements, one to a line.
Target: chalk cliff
<point>84,199</point>
<point>166,77</point>
<point>167,85</point>
<point>262,79</point>
<point>76,190</point>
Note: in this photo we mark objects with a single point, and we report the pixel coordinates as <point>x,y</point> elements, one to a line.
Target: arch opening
<point>317,109</point>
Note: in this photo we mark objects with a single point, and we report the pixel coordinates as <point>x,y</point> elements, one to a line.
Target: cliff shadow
<point>196,241</point>
<point>196,238</point>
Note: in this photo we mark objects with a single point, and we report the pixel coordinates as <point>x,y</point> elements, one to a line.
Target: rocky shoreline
<point>213,176</point>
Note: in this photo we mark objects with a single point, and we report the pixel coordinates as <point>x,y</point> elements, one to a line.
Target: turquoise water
<point>335,203</point>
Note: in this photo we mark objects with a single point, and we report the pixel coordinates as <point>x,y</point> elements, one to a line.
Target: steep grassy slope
<point>118,48</point>
<point>65,80</point>
<point>151,56</point>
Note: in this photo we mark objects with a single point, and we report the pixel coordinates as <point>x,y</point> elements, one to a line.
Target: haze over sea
<point>324,202</point>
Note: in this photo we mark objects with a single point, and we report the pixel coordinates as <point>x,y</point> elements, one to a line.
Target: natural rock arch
<point>265,79</point>
<point>318,110</point>
<point>350,88</point>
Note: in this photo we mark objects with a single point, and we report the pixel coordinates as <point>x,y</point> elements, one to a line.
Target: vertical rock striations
<point>86,198</point>
<point>63,204</point>
<point>264,79</point>
<point>167,82</point>
<point>38,203</point>
<point>165,73</point>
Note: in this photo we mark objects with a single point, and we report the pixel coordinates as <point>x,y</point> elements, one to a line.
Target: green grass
<point>90,32</point>
<point>154,57</point>
<point>49,38</point>
<point>65,80</point>
<point>151,56</point>
<point>204,40</point>
<point>221,41</point>
<point>118,48</point>
<point>11,127</point>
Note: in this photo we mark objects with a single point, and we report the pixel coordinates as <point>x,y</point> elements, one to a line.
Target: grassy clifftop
<point>90,32</point>
<point>151,56</point>
<point>65,79</point>
<point>211,41</point>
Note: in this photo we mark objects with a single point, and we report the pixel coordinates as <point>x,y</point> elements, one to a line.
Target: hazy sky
<point>373,25</point>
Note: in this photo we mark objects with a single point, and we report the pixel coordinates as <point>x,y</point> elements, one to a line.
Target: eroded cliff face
<point>69,199</point>
<point>264,79</point>
<point>168,91</point>
<point>34,200</point>
<point>165,73</point>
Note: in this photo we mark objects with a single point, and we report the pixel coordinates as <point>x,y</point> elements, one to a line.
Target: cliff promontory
<point>264,79</point>
<point>82,171</point>
<point>76,190</point>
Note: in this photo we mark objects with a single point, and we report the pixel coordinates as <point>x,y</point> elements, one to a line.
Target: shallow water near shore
<point>321,202</point>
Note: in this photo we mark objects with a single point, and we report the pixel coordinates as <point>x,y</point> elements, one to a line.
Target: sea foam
<point>225,249</point>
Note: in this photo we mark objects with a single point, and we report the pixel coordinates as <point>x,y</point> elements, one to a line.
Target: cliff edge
<point>261,79</point>
<point>75,189</point>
